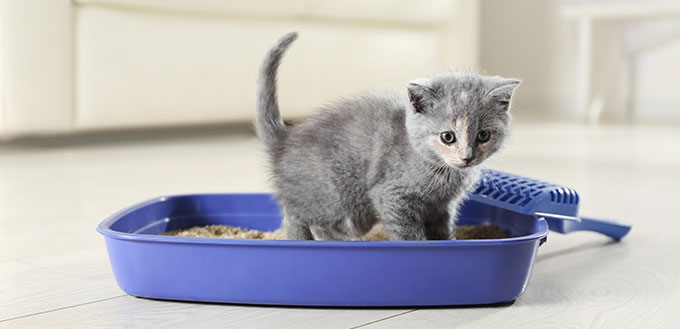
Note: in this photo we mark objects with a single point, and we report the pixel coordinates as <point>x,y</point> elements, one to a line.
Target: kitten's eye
<point>448,137</point>
<point>483,136</point>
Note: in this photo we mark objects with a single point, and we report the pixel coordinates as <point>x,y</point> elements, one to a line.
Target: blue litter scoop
<point>339,273</point>
<point>557,204</point>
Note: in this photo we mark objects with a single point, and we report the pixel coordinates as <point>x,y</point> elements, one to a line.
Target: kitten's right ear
<point>502,90</point>
<point>420,95</point>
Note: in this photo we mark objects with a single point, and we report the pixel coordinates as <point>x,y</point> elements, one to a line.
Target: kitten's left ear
<point>421,95</point>
<point>502,90</point>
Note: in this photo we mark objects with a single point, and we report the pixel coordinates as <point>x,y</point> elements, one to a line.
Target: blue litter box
<point>339,273</point>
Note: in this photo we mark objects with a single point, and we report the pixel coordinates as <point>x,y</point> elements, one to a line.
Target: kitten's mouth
<point>465,165</point>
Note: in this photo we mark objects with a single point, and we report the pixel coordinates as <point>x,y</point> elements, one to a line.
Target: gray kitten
<point>405,162</point>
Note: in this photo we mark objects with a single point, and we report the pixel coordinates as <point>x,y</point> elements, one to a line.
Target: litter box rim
<point>104,228</point>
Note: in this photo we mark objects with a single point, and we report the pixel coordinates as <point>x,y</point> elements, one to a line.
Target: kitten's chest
<point>444,185</point>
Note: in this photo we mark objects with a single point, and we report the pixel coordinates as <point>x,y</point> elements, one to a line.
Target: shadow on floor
<point>128,136</point>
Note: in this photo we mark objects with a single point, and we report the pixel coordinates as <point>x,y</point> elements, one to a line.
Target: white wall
<point>532,40</point>
<point>657,91</point>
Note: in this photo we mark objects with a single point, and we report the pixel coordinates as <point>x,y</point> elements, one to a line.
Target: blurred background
<point>92,65</point>
<point>101,95</point>
<point>105,103</point>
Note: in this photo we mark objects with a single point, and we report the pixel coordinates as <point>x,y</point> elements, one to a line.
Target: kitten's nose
<point>467,160</point>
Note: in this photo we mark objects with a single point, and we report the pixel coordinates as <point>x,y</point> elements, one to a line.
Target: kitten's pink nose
<point>467,160</point>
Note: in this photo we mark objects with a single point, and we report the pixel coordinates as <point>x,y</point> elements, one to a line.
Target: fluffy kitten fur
<point>380,157</point>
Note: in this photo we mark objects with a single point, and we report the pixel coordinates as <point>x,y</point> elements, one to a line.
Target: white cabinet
<point>107,64</point>
<point>35,66</point>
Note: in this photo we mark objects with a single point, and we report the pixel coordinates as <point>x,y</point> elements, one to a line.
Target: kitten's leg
<point>453,209</point>
<point>401,218</point>
<point>401,228</point>
<point>437,227</point>
<point>296,230</point>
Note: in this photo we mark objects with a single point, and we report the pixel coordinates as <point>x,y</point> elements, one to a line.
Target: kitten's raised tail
<point>270,126</point>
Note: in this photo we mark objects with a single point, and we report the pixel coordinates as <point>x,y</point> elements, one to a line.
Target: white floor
<point>54,270</point>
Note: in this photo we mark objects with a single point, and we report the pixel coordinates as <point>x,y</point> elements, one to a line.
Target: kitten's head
<point>459,118</point>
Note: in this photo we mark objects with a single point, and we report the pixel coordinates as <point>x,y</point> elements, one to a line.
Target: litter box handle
<point>565,224</point>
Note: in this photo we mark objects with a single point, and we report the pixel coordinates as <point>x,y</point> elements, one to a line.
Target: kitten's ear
<point>502,89</point>
<point>420,95</point>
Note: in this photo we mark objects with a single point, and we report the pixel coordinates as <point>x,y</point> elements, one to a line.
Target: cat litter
<point>147,263</point>
<point>465,232</point>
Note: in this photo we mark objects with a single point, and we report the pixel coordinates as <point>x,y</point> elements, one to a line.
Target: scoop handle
<point>613,229</point>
